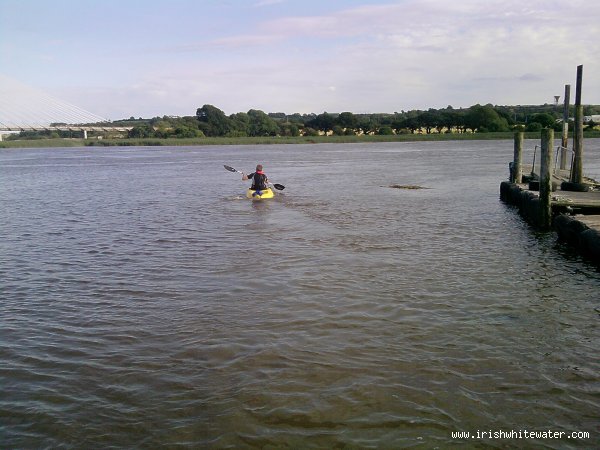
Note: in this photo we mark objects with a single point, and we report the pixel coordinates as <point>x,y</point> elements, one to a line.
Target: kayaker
<point>260,181</point>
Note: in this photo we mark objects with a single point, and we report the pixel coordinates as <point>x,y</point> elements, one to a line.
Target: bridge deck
<point>63,128</point>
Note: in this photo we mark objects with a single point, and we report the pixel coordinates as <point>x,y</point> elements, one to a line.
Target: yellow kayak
<point>260,195</point>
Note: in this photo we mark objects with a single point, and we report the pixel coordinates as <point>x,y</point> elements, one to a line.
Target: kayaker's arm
<point>244,177</point>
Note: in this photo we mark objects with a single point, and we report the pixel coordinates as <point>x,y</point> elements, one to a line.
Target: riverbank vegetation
<point>211,126</point>
<point>265,140</point>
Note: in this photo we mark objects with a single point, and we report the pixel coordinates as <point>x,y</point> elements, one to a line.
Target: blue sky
<point>146,58</point>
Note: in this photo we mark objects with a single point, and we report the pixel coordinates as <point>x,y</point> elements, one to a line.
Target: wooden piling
<point>517,167</point>
<point>577,169</point>
<point>565,129</point>
<point>545,207</point>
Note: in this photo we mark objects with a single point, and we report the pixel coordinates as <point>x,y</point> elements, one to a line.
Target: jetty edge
<point>552,199</point>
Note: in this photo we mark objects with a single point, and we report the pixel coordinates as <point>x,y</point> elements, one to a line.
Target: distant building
<point>586,119</point>
<point>593,118</point>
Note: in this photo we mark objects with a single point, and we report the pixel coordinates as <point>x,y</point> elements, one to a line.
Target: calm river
<point>146,303</point>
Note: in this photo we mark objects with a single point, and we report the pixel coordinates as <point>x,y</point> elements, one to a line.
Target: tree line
<point>210,121</point>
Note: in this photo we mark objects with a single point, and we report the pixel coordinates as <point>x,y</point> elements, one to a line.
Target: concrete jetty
<point>575,215</point>
<point>549,200</point>
<point>554,198</point>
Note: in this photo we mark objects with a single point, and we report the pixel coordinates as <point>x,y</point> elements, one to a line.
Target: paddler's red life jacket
<point>259,181</point>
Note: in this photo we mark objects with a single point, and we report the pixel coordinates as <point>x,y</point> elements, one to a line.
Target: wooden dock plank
<point>589,199</point>
<point>577,199</point>
<point>592,221</point>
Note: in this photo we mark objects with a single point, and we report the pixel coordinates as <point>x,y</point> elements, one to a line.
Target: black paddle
<point>279,187</point>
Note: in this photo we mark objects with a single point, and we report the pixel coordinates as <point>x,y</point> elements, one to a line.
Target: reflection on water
<point>146,302</point>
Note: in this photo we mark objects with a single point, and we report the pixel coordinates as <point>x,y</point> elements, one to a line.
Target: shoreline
<point>268,140</point>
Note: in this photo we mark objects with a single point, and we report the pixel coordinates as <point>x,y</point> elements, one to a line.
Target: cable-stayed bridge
<point>23,108</point>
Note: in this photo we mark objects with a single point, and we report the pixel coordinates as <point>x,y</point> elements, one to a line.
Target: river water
<point>146,303</point>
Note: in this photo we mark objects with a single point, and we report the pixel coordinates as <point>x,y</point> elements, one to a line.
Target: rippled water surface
<point>145,302</point>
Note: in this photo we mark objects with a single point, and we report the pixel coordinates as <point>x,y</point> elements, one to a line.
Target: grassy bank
<point>42,143</point>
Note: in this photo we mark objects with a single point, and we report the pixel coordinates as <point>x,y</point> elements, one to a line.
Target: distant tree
<point>323,122</point>
<point>385,131</point>
<point>558,126</point>
<point>162,128</point>
<point>189,121</point>
<point>277,116</point>
<point>306,118</point>
<point>337,130</point>
<point>296,118</point>
<point>506,114</point>
<point>533,126</point>
<point>289,129</point>
<point>448,119</point>
<point>141,131</point>
<point>410,123</point>
<point>213,121</point>
<point>545,119</point>
<point>430,119</point>
<point>368,124</point>
<point>261,124</point>
<point>347,120</point>
<point>240,124</point>
<point>485,118</point>
<point>182,131</point>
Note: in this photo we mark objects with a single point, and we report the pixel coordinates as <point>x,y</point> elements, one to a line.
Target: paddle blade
<point>231,169</point>
<point>279,187</point>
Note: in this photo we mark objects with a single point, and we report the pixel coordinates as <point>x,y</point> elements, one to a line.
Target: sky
<point>148,58</point>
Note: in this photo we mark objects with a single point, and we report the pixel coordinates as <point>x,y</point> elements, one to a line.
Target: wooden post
<point>545,212</point>
<point>577,169</point>
<point>517,168</point>
<point>565,130</point>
